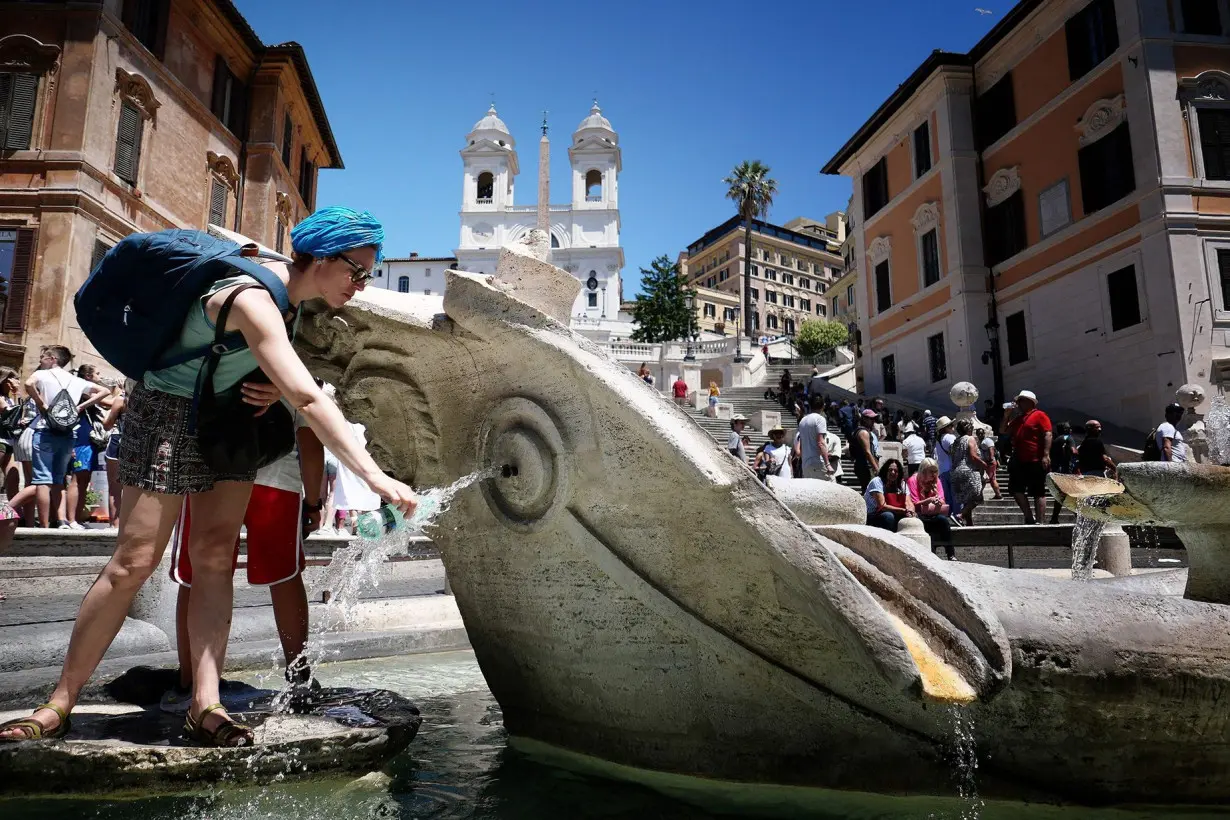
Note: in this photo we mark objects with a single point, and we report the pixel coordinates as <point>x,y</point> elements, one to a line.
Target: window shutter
<point>217,203</point>
<point>18,93</point>
<point>1215,142</point>
<point>100,250</point>
<point>20,281</point>
<point>1223,271</point>
<point>128,144</point>
<point>279,242</point>
<point>288,138</point>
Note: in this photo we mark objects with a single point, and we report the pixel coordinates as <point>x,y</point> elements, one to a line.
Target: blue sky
<point>403,82</point>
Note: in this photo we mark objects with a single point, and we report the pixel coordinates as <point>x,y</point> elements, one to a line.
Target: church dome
<point>491,127</point>
<point>595,120</point>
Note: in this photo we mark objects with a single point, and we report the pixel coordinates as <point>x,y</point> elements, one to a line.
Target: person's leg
<point>113,492</point>
<point>217,516</point>
<point>183,648</point>
<point>993,474</point>
<point>1016,488</point>
<point>290,613</point>
<point>939,527</point>
<point>274,520</point>
<point>78,488</point>
<point>148,521</point>
<point>885,520</point>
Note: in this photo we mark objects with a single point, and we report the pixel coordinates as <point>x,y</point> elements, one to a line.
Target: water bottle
<point>374,525</point>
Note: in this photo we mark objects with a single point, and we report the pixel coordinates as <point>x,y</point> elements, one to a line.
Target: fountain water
<point>1217,430</point>
<point>1085,536</point>
<point>964,760</point>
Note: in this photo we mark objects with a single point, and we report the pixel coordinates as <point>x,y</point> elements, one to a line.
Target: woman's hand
<point>395,493</point>
<point>260,394</point>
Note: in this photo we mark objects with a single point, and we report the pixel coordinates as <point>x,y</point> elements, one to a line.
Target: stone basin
<point>130,748</point>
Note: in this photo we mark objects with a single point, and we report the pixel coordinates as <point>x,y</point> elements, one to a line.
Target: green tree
<point>818,335</point>
<point>661,311</point>
<point>752,190</point>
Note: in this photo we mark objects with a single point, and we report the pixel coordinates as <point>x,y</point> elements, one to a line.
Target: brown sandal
<point>228,735</point>
<point>33,730</point>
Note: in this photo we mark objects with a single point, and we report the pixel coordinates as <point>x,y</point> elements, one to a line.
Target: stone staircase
<point>745,401</point>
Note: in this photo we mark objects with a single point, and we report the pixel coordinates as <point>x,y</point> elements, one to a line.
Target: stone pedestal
<point>892,449</point>
<point>766,420</point>
<point>1115,551</point>
<point>723,410</point>
<point>912,528</point>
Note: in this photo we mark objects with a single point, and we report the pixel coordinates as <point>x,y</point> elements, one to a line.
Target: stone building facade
<point>792,267</point>
<point>123,116</point>
<point>1051,211</point>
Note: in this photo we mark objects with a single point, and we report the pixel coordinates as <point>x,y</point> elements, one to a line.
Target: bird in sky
<point>984,11</point>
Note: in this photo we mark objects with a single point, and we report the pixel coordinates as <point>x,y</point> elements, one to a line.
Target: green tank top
<point>198,330</point>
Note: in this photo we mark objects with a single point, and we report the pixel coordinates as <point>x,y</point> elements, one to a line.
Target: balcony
<point>484,200</point>
<point>591,198</point>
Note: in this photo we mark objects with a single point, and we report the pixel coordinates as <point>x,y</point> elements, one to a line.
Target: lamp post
<point>689,299</point>
<point>738,337</point>
<point>997,368</point>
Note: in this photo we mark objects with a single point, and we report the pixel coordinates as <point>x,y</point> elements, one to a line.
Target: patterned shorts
<point>158,453</point>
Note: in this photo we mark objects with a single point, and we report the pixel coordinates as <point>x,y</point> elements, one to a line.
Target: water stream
<point>1085,536</point>
<point>1217,430</point>
<point>964,759</point>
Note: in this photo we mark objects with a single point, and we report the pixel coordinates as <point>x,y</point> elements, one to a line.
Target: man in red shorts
<point>281,513</point>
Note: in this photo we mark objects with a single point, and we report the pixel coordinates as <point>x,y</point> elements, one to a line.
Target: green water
<point>462,766</point>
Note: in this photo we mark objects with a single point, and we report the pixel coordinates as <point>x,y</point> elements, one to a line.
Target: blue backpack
<point>133,306</point>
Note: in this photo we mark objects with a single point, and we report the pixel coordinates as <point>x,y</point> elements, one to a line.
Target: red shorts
<point>275,539</point>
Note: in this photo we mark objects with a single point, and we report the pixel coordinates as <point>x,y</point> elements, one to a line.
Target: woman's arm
<point>113,415</point>
<point>256,316</point>
<point>974,455</point>
<point>881,506</point>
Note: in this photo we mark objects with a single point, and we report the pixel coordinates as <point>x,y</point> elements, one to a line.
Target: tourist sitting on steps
<point>335,250</point>
<point>886,497</point>
<point>925,496</point>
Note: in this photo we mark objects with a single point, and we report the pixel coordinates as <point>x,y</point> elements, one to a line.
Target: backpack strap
<point>205,378</point>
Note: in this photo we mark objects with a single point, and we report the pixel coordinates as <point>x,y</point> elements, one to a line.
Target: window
<point>787,300</point>
<point>771,322</point>
<point>1107,173</point>
<point>804,283</point>
<point>884,299</point>
<point>427,291</point>
<point>1200,17</point>
<point>1092,37</point>
<point>788,326</point>
<point>1005,234</point>
<point>307,175</point>
<point>820,287</point>
<point>100,250</point>
<point>724,274</point>
<point>770,274</point>
<point>922,149</point>
<point>755,271</point>
<point>710,310</point>
<point>217,202</point>
<point>787,278</point>
<point>1223,272</point>
<point>403,284</point>
<point>288,140</point>
<point>593,300</point>
<point>593,186</point>
<point>935,358</point>
<point>16,272</point>
<point>755,294</point>
<point>821,310</point>
<point>805,304</point>
<point>128,143</point>
<point>849,295</point>
<point>1214,126</point>
<point>770,296</point>
<point>995,111</point>
<point>279,241</point>
<point>929,250</point>
<point>18,92</point>
<point>486,188</point>
<point>875,188</point>
<point>147,20</point>
<point>1018,342</point>
<point>230,98</point>
<point>888,371</point>
<point>1124,299</point>
<point>728,314</point>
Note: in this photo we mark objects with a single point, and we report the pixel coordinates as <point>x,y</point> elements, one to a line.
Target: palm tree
<point>752,189</point>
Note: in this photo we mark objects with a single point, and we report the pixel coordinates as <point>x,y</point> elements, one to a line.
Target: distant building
<point>792,267</point>
<point>118,117</point>
<point>414,274</point>
<point>584,233</point>
<point>1052,211</point>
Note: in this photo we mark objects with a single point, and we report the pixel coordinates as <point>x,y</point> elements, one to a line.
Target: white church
<point>584,233</point>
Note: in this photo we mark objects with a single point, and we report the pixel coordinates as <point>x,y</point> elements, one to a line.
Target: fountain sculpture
<point>633,593</point>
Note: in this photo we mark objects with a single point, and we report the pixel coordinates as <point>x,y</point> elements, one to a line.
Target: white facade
<point>584,233</point>
<point>414,274</point>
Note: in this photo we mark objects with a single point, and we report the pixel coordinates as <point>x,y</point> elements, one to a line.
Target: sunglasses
<point>359,275</point>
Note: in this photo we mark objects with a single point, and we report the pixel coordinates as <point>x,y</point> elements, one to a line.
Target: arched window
<point>403,284</point>
<point>554,241</point>
<point>593,186</point>
<point>486,188</point>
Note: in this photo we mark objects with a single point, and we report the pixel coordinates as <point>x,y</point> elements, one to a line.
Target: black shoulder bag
<point>231,437</point>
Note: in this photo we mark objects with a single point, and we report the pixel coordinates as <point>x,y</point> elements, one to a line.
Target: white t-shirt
<point>49,383</point>
<point>811,428</point>
<point>735,445</point>
<point>1178,447</point>
<point>284,474</point>
<point>779,456</point>
<point>915,448</point>
<point>943,453</point>
<point>349,491</point>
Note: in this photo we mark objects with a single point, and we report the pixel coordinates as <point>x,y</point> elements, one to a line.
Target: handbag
<point>232,439</point>
<point>12,422</point>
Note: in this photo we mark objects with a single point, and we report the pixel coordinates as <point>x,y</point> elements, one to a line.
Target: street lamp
<point>738,337</point>
<point>689,298</point>
<point>997,367</point>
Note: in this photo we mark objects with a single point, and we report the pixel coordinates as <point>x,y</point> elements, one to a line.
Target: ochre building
<point>139,115</point>
<point>1052,208</point>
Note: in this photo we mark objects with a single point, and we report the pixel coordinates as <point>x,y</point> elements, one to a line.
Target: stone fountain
<point>633,594</point>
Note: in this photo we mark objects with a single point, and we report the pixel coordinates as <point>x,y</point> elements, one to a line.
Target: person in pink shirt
<point>925,498</point>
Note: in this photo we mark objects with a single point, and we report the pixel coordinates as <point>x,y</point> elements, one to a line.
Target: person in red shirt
<point>680,390</point>
<point>1030,430</point>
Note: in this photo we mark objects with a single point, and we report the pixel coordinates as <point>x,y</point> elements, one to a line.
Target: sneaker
<point>176,701</point>
<point>63,525</point>
<point>73,525</point>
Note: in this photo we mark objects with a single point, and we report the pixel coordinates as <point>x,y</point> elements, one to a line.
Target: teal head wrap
<point>333,230</point>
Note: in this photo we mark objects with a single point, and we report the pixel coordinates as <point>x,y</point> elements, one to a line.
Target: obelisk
<point>544,178</point>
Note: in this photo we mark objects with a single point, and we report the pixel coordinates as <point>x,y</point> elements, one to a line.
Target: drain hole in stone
<point>509,470</point>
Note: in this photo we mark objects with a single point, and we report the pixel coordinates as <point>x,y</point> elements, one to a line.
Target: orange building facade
<point>1051,211</point>
<point>139,115</point>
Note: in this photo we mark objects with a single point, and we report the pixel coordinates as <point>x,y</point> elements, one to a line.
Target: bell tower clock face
<point>591,283</point>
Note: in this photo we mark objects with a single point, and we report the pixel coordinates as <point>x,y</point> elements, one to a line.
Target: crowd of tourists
<point>179,432</point>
